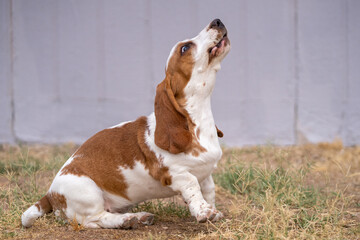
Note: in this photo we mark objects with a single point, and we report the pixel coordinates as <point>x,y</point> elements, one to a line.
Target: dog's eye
<point>185,48</point>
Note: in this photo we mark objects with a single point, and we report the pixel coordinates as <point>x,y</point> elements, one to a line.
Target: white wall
<point>6,126</point>
<point>71,68</point>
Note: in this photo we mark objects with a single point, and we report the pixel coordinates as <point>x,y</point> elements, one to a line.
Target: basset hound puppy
<point>172,151</point>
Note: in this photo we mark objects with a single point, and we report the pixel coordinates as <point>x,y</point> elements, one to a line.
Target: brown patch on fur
<point>165,177</point>
<point>44,205</point>
<point>57,201</point>
<point>219,132</point>
<point>100,157</point>
<point>196,147</point>
<point>74,169</point>
<point>195,153</point>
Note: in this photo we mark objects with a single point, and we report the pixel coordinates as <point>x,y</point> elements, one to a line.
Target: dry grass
<point>266,192</point>
<point>306,192</point>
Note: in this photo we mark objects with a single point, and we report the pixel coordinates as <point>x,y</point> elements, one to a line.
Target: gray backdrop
<point>71,68</point>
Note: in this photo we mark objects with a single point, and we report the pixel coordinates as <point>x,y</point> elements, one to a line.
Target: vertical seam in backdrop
<point>12,55</point>
<point>296,71</point>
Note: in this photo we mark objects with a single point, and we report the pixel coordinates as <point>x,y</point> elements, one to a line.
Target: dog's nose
<point>216,23</point>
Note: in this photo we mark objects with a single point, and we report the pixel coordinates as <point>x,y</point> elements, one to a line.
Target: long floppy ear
<point>172,130</point>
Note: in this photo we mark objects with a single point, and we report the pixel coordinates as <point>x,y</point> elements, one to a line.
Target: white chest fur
<point>198,92</point>
<point>203,119</point>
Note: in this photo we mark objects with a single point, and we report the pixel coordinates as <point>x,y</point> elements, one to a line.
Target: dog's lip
<point>219,43</point>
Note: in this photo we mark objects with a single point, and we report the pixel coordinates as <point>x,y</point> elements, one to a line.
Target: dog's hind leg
<point>84,202</point>
<point>117,220</point>
<point>112,220</point>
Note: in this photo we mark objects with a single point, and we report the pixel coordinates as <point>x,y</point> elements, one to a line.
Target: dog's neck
<point>198,97</point>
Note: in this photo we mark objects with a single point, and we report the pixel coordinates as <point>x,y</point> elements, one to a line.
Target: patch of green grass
<point>279,204</point>
<point>163,209</point>
<point>22,163</point>
<point>28,165</point>
<point>287,186</point>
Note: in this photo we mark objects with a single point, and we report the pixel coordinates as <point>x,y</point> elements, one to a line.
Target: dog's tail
<point>37,210</point>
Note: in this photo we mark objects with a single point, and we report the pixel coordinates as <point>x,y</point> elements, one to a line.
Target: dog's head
<point>201,53</point>
<point>190,71</point>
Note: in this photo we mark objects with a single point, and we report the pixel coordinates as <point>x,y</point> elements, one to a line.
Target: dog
<point>172,151</point>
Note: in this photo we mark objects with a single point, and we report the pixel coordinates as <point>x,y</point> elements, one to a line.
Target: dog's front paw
<point>207,213</point>
<point>218,216</point>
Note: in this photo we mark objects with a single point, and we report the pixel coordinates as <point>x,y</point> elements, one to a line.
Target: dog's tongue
<point>213,51</point>
<point>218,48</point>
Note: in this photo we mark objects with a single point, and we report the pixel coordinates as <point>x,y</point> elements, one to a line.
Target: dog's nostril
<point>216,23</point>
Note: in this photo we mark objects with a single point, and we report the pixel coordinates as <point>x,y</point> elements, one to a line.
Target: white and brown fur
<point>172,151</point>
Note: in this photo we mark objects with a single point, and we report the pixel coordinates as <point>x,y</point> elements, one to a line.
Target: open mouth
<point>219,47</point>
